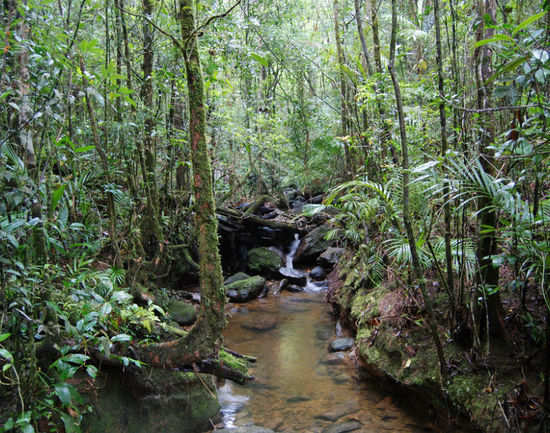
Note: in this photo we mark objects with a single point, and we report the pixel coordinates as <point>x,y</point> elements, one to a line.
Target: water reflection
<point>299,386</point>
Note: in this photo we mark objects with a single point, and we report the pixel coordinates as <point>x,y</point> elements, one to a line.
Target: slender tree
<point>417,267</point>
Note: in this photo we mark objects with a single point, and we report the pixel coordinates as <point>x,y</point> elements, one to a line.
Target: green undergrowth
<point>395,343</point>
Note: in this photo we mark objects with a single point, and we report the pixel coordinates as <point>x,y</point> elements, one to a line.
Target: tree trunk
<point>487,243</point>
<point>204,337</point>
<point>151,231</point>
<point>444,146</point>
<point>25,111</point>
<point>385,138</point>
<point>417,267</point>
<point>344,112</point>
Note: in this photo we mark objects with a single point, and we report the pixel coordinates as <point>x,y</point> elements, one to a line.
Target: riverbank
<point>392,341</point>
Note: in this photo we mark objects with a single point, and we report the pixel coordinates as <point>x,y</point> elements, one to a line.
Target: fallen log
<point>254,219</point>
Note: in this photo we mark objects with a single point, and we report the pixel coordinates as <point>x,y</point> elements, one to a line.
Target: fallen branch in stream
<point>224,366</point>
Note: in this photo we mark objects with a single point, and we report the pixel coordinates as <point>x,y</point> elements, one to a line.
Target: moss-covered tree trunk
<point>200,347</point>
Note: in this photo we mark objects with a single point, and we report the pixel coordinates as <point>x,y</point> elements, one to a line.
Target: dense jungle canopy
<point>131,127</point>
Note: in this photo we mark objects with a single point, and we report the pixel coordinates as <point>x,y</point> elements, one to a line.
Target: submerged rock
<point>264,261</point>
<point>339,411</point>
<point>245,429</point>
<point>181,312</point>
<point>343,427</point>
<point>245,290</point>
<point>341,344</point>
<point>263,324</point>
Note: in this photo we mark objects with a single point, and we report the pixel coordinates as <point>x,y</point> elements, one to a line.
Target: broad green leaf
<point>508,67</point>
<point>92,371</point>
<point>4,337</point>
<point>262,60</point>
<point>69,423</point>
<point>528,21</point>
<point>6,355</point>
<point>76,358</point>
<point>495,38</point>
<point>56,196</point>
<point>84,149</point>
<point>121,337</point>
<point>63,392</point>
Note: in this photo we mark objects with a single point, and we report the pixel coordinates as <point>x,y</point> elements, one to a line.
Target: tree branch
<point>150,21</point>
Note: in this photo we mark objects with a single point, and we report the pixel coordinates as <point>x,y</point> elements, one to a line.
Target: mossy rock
<point>245,290</point>
<point>264,261</point>
<point>236,277</point>
<point>182,312</point>
<point>164,402</point>
<point>312,245</point>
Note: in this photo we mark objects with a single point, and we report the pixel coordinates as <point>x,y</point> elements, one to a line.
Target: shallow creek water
<point>299,386</point>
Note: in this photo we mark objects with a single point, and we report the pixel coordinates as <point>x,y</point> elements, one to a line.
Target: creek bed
<point>299,386</point>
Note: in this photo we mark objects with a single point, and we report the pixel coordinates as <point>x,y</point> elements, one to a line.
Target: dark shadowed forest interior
<point>259,216</point>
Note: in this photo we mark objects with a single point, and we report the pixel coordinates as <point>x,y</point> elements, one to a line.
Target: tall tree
<point>487,242</point>
<point>417,266</point>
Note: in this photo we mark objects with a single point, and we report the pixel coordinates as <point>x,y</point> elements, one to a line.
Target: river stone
<point>330,257</point>
<point>339,411</point>
<point>294,276</point>
<point>245,290</point>
<point>341,344</point>
<point>313,244</point>
<point>294,288</point>
<point>181,312</point>
<point>337,358</point>
<point>264,261</point>
<point>245,429</point>
<point>298,399</point>
<point>236,277</point>
<point>343,427</point>
<point>317,273</point>
<point>263,324</point>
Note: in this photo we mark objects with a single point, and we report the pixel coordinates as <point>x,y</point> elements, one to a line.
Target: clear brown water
<point>294,386</point>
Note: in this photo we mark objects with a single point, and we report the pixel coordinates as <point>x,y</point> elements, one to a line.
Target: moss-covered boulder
<point>245,290</point>
<point>264,261</point>
<point>182,312</point>
<point>236,277</point>
<point>154,401</point>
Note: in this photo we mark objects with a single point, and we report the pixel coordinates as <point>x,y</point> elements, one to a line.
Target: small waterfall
<point>289,271</point>
<point>293,248</point>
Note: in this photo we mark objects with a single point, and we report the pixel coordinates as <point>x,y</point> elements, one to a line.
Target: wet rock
<point>298,399</point>
<point>339,411</point>
<point>263,324</point>
<point>245,290</point>
<point>317,273</point>
<point>181,312</point>
<point>245,429</point>
<point>341,344</point>
<point>343,427</point>
<point>264,261</point>
<point>337,358</point>
<point>294,288</point>
<point>313,244</point>
<point>236,277</point>
<point>330,257</point>
<point>294,276</point>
